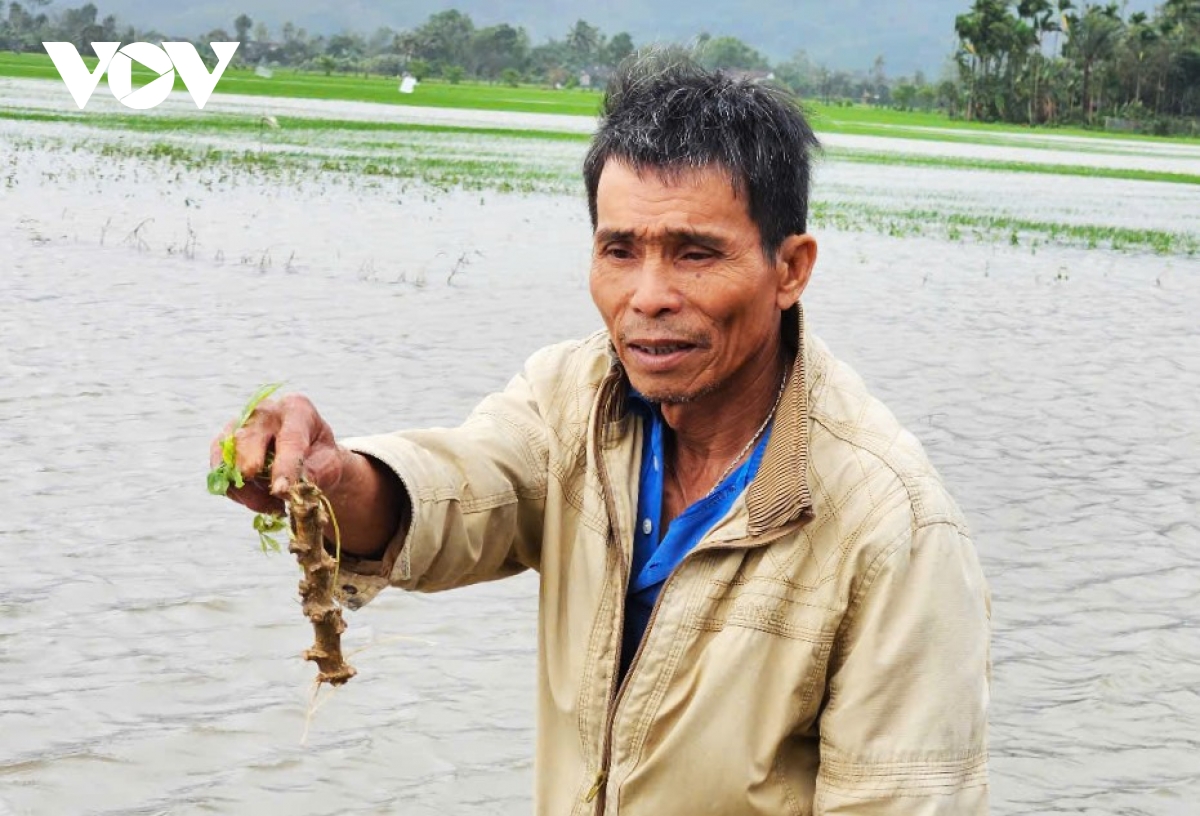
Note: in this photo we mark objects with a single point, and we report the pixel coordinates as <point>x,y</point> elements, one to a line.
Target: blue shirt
<point>653,557</point>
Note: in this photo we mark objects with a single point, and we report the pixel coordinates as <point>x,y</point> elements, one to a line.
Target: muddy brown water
<point>149,653</point>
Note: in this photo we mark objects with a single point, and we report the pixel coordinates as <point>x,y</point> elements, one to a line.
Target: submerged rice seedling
<point>220,150</point>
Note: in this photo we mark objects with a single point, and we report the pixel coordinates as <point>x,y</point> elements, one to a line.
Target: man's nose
<point>655,292</point>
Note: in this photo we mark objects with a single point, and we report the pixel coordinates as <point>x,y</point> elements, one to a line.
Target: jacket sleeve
<point>477,496</point>
<point>904,729</point>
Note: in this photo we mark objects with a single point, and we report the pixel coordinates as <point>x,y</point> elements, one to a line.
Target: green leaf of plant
<point>227,473</point>
<point>268,523</point>
<point>218,482</point>
<point>268,543</point>
<point>259,395</point>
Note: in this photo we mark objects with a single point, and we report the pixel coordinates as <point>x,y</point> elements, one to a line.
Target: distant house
<point>594,77</point>
<point>749,76</point>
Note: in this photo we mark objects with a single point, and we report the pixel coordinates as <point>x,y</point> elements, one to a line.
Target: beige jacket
<point>823,650</point>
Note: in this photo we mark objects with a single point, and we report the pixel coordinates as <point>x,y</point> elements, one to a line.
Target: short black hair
<point>665,113</point>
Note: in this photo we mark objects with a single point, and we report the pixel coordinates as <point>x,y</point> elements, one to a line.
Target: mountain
<point>848,34</point>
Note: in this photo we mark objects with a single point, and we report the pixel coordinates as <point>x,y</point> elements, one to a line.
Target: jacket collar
<point>780,492</point>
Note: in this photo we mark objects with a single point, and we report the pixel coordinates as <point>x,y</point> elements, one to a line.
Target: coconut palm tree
<point>1094,37</point>
<point>1040,14</point>
<point>584,40</point>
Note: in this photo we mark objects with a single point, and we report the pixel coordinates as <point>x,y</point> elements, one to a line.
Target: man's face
<point>678,273</point>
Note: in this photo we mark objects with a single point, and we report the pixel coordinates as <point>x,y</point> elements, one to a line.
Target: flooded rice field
<point>199,162</point>
<point>1040,148</point>
<point>150,653</point>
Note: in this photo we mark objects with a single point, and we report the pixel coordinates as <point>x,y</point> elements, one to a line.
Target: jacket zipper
<point>615,702</point>
<point>598,791</point>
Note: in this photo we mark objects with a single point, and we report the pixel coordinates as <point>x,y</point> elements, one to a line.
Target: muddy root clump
<point>308,514</point>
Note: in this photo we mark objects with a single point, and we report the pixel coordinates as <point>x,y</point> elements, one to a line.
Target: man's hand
<point>283,440</point>
<point>286,439</point>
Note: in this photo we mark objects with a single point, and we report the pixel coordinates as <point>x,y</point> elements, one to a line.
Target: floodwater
<point>149,653</point>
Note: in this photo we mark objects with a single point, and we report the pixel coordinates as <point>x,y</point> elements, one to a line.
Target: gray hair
<point>663,112</point>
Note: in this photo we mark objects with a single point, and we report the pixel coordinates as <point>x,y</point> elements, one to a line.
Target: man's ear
<point>795,260</point>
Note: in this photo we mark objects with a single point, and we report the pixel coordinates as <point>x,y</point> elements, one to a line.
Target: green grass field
<point>299,85</point>
<point>854,119</point>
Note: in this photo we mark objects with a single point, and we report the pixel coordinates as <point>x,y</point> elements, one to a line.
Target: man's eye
<point>618,252</point>
<point>697,255</point>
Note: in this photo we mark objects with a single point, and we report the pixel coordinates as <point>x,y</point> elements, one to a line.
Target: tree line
<point>1041,62</point>
<point>1038,62</point>
<point>447,45</point>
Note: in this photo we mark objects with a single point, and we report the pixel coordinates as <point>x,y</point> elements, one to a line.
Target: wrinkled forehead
<point>683,173</point>
<point>677,199</point>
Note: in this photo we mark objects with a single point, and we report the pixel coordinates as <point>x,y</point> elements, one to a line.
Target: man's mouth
<point>660,349</point>
<point>658,355</point>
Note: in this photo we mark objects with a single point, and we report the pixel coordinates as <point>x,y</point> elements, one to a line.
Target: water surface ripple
<point>150,654</point>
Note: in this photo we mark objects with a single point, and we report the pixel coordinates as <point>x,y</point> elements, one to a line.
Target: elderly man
<point>756,595</point>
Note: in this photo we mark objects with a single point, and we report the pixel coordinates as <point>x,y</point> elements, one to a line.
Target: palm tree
<point>1142,38</point>
<point>1183,13</point>
<point>979,47</point>
<point>584,40</point>
<point>1040,15</point>
<point>1063,7</point>
<point>242,26</point>
<point>1093,40</point>
<point>992,44</point>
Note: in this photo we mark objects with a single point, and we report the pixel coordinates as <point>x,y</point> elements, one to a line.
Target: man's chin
<point>654,389</point>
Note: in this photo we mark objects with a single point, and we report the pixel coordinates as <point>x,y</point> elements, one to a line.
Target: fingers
<point>298,431</point>
<point>256,497</point>
<point>303,445</point>
<point>256,438</point>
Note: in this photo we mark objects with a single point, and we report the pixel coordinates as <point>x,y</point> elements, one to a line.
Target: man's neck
<point>707,434</point>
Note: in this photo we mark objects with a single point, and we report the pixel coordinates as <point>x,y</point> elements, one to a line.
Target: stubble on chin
<point>669,396</point>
